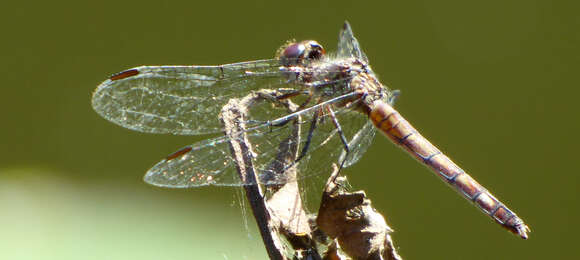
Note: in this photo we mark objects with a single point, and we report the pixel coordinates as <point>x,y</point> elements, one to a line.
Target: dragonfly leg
<point>300,107</point>
<point>311,133</point>
<point>342,138</point>
<point>289,95</point>
<point>318,108</point>
<point>309,137</point>
<point>338,128</point>
<point>278,99</point>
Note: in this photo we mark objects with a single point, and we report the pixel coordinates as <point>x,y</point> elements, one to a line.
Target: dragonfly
<point>326,106</point>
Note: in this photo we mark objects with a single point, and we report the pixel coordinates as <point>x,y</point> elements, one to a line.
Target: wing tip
<point>346,25</point>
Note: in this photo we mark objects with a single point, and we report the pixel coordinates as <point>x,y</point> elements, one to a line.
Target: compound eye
<point>294,51</point>
<point>315,51</point>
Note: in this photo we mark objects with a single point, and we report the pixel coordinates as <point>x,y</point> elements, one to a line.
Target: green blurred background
<point>494,84</point>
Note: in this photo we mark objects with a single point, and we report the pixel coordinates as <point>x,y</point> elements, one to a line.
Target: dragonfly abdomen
<point>402,133</point>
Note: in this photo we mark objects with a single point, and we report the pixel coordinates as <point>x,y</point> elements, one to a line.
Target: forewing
<point>181,100</point>
<point>348,45</point>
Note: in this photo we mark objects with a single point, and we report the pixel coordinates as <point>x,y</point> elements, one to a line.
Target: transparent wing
<point>275,149</point>
<point>359,144</point>
<point>348,45</point>
<point>181,100</point>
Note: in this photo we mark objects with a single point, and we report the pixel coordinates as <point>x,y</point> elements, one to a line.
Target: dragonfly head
<point>298,52</point>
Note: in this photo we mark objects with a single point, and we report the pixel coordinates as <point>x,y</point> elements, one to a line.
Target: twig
<point>232,117</point>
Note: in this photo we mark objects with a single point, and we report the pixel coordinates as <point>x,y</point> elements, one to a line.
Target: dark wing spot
<point>178,153</point>
<point>124,74</point>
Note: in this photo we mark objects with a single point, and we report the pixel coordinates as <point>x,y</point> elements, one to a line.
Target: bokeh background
<point>494,84</point>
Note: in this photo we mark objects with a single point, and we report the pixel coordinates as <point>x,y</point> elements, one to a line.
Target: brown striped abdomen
<point>402,133</point>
